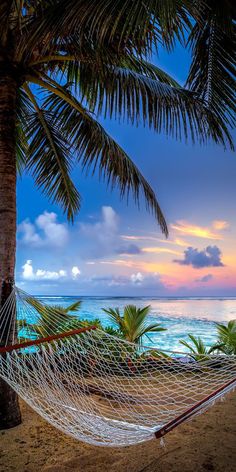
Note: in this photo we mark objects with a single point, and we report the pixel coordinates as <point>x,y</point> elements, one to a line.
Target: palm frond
<point>97,151</point>
<point>187,345</point>
<point>148,98</point>
<point>50,161</point>
<point>133,324</point>
<point>124,24</point>
<point>198,350</point>
<point>120,92</point>
<point>73,307</point>
<point>213,44</point>
<point>6,7</point>
<point>227,336</point>
<point>24,108</point>
<point>114,316</point>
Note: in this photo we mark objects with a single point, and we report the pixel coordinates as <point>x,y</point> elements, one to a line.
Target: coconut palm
<point>198,350</point>
<point>133,324</point>
<point>66,63</point>
<point>227,337</point>
<point>53,318</point>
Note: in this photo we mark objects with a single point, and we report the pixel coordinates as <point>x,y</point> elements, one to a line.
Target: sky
<point>117,249</point>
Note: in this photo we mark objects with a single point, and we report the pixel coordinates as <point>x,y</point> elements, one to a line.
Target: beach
<point>207,443</point>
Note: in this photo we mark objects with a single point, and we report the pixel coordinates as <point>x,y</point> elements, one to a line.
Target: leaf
<point>97,151</point>
<point>135,25</point>
<point>146,98</point>
<point>213,44</point>
<point>50,161</point>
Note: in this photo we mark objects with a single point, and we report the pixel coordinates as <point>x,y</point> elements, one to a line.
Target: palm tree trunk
<point>9,408</point>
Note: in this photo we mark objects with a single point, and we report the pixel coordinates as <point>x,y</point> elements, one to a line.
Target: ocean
<point>180,316</point>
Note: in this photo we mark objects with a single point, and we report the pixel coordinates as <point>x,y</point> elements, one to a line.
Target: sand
<point>207,443</point>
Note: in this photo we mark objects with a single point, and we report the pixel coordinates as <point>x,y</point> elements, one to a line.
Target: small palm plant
<point>52,319</point>
<point>198,350</point>
<point>227,337</point>
<point>133,324</point>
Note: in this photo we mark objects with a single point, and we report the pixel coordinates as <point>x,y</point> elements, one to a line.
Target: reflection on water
<point>179,315</point>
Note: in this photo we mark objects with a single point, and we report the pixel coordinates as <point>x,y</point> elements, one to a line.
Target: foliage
<point>133,324</point>
<point>212,41</point>
<point>56,319</point>
<point>198,350</point>
<point>227,337</point>
<point>226,342</point>
<point>52,319</point>
<point>75,62</point>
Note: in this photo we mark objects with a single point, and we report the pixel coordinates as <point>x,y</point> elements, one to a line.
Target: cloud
<point>50,275</point>
<point>198,231</point>
<point>31,274</point>
<point>40,274</point>
<point>148,281</point>
<point>100,237</point>
<point>220,225</point>
<point>45,231</point>
<point>28,272</point>
<point>129,249</point>
<point>75,272</point>
<point>157,250</point>
<point>205,278</point>
<point>137,278</point>
<point>127,237</point>
<point>119,263</point>
<point>209,257</point>
<point>175,242</point>
<point>103,239</point>
<point>180,242</point>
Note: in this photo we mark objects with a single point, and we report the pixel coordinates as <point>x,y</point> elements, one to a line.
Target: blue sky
<point>118,250</point>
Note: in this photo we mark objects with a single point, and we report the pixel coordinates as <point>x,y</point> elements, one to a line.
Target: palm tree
<point>54,318</point>
<point>198,350</point>
<point>227,337</point>
<point>65,63</point>
<point>133,324</point>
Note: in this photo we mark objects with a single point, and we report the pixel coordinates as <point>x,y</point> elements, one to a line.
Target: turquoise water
<point>179,315</point>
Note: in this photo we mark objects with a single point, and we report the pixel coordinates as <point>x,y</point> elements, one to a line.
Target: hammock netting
<point>98,388</point>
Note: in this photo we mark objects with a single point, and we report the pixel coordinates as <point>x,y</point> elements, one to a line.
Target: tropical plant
<point>52,318</point>
<point>198,350</point>
<point>227,337</point>
<point>133,324</point>
<point>64,63</point>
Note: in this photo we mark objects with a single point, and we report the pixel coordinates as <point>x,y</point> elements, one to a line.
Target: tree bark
<point>9,408</point>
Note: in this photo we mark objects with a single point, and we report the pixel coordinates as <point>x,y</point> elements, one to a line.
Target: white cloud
<point>132,283</point>
<point>137,278</point>
<point>45,231</point>
<point>28,272</point>
<point>50,275</point>
<point>41,274</point>
<point>102,236</point>
<point>104,229</point>
<point>75,272</point>
<point>103,239</point>
<point>30,237</point>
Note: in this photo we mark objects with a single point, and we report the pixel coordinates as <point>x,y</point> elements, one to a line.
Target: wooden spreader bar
<point>37,342</point>
<point>190,411</point>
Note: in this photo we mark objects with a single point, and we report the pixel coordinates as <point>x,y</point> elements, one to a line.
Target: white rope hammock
<point>100,389</point>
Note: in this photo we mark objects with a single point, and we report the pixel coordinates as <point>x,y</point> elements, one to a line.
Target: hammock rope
<point>98,388</point>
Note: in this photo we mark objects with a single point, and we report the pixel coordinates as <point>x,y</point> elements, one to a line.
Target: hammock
<point>98,388</point>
